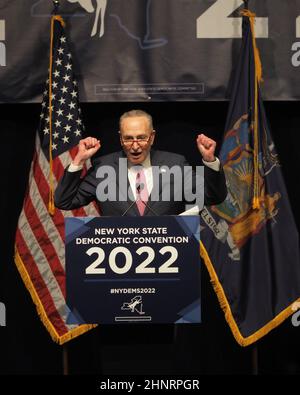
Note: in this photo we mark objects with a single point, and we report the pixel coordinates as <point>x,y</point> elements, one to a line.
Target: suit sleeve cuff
<point>215,165</point>
<point>72,168</point>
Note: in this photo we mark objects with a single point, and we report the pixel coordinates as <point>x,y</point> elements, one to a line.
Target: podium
<point>133,269</point>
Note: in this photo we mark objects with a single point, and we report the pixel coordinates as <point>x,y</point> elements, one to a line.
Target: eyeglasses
<point>141,141</point>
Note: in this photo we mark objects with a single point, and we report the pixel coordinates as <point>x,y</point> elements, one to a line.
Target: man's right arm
<point>72,191</point>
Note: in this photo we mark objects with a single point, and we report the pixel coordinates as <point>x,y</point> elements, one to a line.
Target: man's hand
<point>206,147</point>
<point>86,149</point>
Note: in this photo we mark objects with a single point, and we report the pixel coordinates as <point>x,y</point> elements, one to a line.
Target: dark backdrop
<point>25,345</point>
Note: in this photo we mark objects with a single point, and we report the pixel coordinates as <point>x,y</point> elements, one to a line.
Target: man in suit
<point>144,196</point>
<point>141,161</point>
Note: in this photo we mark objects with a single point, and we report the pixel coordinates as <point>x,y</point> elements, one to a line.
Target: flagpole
<point>254,354</point>
<point>65,360</point>
<point>65,356</point>
<point>55,6</point>
<point>254,358</point>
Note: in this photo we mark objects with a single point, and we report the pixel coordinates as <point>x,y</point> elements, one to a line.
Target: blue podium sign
<point>133,269</point>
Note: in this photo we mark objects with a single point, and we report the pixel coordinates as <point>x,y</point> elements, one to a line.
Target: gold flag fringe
<point>242,341</point>
<point>40,308</point>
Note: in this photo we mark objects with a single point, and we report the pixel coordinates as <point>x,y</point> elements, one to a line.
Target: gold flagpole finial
<point>55,6</point>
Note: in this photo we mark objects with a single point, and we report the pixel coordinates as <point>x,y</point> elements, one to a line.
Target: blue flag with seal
<point>250,242</point>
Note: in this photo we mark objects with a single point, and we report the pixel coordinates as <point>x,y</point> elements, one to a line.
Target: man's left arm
<point>215,190</point>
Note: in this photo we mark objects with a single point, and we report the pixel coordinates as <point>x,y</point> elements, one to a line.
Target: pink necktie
<point>141,191</point>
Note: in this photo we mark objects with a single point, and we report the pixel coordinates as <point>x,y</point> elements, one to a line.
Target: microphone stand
<point>151,209</point>
<point>128,208</point>
<point>138,188</point>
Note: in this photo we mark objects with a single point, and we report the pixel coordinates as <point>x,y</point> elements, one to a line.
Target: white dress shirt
<point>134,169</point>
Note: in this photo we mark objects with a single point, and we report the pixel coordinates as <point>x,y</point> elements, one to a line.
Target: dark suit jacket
<point>73,191</point>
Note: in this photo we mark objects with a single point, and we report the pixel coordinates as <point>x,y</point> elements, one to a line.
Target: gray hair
<point>137,113</point>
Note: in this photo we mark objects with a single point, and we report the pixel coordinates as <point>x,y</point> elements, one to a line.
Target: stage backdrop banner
<point>149,50</point>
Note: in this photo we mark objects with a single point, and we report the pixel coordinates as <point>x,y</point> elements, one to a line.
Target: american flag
<point>39,246</point>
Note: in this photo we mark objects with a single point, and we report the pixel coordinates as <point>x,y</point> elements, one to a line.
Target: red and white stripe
<point>40,239</point>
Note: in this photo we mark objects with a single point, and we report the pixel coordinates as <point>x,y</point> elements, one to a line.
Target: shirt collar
<point>146,164</point>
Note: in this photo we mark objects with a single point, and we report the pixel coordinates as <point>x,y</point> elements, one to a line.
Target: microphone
<point>139,187</point>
